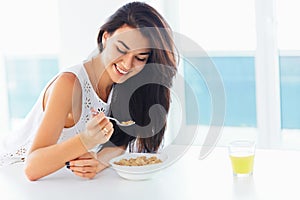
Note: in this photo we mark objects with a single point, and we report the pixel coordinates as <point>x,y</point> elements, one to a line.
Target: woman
<point>68,124</point>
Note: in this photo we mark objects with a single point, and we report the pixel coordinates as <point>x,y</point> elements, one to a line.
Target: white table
<point>276,176</point>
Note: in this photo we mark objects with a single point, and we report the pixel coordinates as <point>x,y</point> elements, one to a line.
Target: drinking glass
<point>241,153</point>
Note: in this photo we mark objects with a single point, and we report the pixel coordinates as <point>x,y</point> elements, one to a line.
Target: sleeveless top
<point>15,147</point>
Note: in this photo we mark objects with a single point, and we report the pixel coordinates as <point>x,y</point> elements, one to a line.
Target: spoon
<point>125,123</point>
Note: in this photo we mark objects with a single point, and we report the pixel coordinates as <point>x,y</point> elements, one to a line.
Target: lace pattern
<point>89,100</point>
<point>16,156</point>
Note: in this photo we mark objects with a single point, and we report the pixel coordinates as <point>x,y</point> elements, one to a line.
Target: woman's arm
<point>45,156</point>
<point>44,161</point>
<point>89,164</point>
<point>62,99</point>
<point>107,154</point>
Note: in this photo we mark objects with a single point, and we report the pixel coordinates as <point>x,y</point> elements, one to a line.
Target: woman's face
<point>125,53</point>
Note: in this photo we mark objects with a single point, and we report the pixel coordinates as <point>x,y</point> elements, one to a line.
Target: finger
<point>95,129</point>
<point>107,127</point>
<point>104,122</point>
<point>94,112</point>
<point>84,169</point>
<point>89,175</point>
<point>105,131</point>
<point>109,134</point>
<point>83,162</point>
<point>96,120</point>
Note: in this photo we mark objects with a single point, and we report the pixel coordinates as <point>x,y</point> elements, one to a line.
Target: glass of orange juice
<point>241,153</point>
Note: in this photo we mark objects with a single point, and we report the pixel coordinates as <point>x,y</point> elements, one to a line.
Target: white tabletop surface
<point>276,176</point>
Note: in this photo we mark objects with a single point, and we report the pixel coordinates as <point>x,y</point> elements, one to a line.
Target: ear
<point>105,37</point>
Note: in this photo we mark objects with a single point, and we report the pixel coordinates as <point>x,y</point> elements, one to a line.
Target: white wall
<point>4,116</point>
<point>28,28</point>
<point>80,23</point>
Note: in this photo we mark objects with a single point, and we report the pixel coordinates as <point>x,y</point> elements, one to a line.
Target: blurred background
<point>254,44</point>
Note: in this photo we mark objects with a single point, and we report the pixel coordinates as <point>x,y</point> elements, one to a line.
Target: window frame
<point>4,107</point>
<point>268,106</point>
<point>268,133</point>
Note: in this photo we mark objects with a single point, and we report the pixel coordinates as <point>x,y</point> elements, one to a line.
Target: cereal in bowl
<point>139,161</point>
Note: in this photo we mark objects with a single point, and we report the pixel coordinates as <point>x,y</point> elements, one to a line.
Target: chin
<point>120,80</point>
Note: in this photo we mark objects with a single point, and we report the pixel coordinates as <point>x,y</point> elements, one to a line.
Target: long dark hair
<point>159,70</point>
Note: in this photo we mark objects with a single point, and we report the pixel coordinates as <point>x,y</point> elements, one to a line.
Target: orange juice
<point>242,164</point>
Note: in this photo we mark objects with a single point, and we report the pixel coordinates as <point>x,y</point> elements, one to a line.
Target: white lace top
<point>14,148</point>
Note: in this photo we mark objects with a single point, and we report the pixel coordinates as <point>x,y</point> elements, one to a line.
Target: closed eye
<point>141,59</point>
<point>121,51</point>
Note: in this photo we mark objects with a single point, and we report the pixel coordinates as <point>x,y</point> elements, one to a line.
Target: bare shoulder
<point>65,81</point>
<point>67,78</point>
<point>58,103</point>
<point>65,87</point>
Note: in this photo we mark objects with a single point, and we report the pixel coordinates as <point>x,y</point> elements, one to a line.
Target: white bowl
<point>138,172</point>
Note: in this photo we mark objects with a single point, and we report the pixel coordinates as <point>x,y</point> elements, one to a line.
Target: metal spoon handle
<point>111,118</point>
<point>121,124</point>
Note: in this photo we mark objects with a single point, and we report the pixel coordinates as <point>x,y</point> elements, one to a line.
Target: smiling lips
<point>121,71</point>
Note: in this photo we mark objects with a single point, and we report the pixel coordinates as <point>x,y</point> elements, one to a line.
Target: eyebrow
<point>144,53</point>
<point>124,44</point>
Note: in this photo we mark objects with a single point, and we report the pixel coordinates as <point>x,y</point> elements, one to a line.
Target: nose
<point>127,61</point>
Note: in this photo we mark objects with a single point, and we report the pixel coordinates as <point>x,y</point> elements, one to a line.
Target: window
<point>237,73</point>
<point>253,44</point>
<point>289,62</point>
<point>290,91</point>
<point>26,77</point>
<point>28,55</point>
<point>226,30</point>
<point>255,47</point>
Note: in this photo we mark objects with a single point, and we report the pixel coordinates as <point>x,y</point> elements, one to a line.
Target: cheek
<point>138,69</point>
<point>110,56</point>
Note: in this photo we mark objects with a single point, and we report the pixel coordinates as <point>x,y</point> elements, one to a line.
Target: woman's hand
<point>85,166</point>
<point>98,131</point>
<point>89,164</point>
